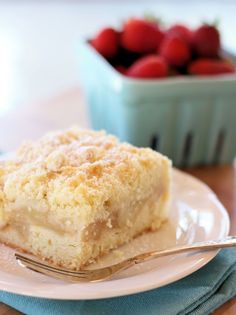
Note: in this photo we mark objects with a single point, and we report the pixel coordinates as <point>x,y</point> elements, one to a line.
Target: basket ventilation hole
<point>188,144</point>
<point>219,146</point>
<point>154,143</point>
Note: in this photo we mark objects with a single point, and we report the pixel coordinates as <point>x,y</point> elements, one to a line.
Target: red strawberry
<point>106,42</point>
<point>148,67</point>
<point>141,36</point>
<point>121,69</point>
<point>175,51</point>
<point>181,31</point>
<point>206,66</point>
<point>206,41</point>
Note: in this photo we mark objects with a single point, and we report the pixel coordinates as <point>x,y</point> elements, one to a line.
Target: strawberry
<point>206,41</point>
<point>148,67</point>
<point>175,51</point>
<point>181,31</point>
<point>106,42</point>
<point>204,66</point>
<point>121,69</point>
<point>141,36</point>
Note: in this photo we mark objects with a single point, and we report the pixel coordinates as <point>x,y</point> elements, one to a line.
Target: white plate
<point>196,214</point>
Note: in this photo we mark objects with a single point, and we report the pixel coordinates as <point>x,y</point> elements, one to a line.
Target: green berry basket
<point>192,120</point>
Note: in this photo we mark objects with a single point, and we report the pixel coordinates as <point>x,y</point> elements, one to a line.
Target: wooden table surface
<point>222,180</point>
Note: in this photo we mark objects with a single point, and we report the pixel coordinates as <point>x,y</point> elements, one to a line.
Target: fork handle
<point>229,241</point>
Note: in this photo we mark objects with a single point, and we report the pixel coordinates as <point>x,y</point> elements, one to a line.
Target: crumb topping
<point>74,173</point>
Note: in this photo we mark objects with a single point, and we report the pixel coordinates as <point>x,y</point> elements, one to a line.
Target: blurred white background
<point>38,55</point>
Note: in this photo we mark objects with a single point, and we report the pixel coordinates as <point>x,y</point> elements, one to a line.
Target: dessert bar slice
<point>76,194</point>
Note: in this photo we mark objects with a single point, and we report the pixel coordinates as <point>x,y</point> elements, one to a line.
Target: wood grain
<point>222,180</point>
<point>7,310</point>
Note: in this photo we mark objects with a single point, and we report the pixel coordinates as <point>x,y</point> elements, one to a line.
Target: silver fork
<point>109,271</point>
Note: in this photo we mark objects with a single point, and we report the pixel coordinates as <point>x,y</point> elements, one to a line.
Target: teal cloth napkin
<point>200,294</point>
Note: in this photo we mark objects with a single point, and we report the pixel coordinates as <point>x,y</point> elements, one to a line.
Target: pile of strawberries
<point>142,49</point>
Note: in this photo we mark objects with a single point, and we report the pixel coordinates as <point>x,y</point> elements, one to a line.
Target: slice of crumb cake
<point>76,194</point>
